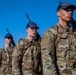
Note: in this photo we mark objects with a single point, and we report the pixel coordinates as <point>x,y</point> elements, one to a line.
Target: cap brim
<point>73,7</point>
<point>34,27</point>
<point>70,6</point>
<point>8,37</point>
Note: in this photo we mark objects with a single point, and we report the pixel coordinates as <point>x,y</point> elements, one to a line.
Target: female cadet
<point>26,55</point>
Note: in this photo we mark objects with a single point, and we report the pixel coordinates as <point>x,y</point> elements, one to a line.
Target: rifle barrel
<point>28,17</point>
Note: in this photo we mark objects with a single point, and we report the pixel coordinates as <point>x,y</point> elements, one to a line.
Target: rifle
<point>7,30</point>
<point>27,17</point>
<point>73,23</point>
<point>37,35</point>
<point>13,43</point>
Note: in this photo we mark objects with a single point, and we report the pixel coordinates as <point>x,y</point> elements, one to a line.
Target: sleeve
<point>48,53</point>
<point>16,58</point>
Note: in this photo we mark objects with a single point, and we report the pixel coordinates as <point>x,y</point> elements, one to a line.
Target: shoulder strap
<point>54,30</point>
<point>3,53</point>
<point>25,44</point>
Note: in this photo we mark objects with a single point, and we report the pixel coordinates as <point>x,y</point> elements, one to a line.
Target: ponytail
<point>13,43</point>
<point>38,37</point>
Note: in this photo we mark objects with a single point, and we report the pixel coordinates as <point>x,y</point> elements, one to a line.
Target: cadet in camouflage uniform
<point>58,44</point>
<point>26,55</point>
<point>6,56</point>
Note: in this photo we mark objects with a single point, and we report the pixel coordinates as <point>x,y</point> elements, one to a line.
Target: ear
<point>27,30</point>
<point>58,13</point>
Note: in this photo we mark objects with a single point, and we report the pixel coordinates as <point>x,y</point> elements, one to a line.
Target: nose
<point>35,29</point>
<point>70,11</point>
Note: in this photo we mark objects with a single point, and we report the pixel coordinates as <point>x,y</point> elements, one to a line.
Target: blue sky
<point>42,12</point>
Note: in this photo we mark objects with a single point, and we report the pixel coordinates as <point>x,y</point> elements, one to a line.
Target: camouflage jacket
<point>26,58</point>
<point>6,60</point>
<point>58,50</point>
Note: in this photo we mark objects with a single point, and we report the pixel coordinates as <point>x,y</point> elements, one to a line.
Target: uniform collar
<point>67,29</point>
<point>29,41</point>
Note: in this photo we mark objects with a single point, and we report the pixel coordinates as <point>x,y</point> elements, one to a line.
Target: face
<point>8,40</point>
<point>65,15</point>
<point>32,31</point>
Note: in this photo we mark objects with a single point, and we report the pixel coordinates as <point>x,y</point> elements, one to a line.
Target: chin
<point>33,35</point>
<point>68,20</point>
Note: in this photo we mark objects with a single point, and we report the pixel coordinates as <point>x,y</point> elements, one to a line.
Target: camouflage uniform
<point>58,50</point>
<point>26,58</point>
<point>0,60</point>
<point>6,61</point>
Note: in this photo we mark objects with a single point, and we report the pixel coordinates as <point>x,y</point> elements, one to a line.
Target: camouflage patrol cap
<point>31,25</point>
<point>8,36</point>
<point>65,5</point>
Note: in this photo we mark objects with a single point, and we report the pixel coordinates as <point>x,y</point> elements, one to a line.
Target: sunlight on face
<point>8,40</point>
<point>65,14</point>
<point>32,31</point>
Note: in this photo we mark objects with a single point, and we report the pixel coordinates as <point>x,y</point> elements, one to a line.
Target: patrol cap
<point>65,5</point>
<point>8,36</point>
<point>31,25</point>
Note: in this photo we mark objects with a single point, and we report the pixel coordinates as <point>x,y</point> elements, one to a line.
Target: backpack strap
<point>54,31</point>
<point>25,44</point>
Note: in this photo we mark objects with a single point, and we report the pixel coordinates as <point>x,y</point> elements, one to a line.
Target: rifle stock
<point>73,23</point>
